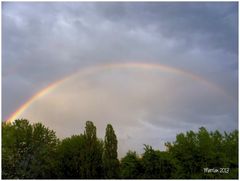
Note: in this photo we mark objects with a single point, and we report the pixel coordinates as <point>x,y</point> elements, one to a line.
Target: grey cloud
<point>182,20</point>
<point>44,42</point>
<point>145,108</point>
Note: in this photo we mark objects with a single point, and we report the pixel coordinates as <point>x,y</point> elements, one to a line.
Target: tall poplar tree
<point>110,160</point>
<point>93,166</point>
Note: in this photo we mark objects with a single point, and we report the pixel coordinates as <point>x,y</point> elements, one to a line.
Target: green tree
<point>93,165</point>
<point>28,151</point>
<point>230,145</point>
<point>110,160</point>
<point>156,164</point>
<point>131,167</point>
<point>70,156</point>
<point>32,151</point>
<point>192,152</point>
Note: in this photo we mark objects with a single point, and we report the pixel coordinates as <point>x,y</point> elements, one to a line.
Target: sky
<point>46,42</point>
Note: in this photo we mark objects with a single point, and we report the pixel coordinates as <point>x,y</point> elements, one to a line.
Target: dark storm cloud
<point>217,21</point>
<point>43,42</point>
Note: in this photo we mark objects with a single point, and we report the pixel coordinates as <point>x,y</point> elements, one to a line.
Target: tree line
<point>33,151</point>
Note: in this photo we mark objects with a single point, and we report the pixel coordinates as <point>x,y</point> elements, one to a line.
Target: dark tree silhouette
<point>110,160</point>
<point>32,151</point>
<point>70,156</point>
<point>28,151</point>
<point>93,166</point>
<point>131,166</point>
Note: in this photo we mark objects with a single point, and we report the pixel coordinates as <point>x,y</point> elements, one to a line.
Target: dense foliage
<point>28,151</point>
<point>194,151</point>
<point>110,157</point>
<point>33,151</point>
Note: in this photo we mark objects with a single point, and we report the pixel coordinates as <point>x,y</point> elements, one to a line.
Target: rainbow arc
<point>87,71</point>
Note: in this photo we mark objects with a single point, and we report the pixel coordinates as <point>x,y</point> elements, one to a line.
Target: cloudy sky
<point>46,42</point>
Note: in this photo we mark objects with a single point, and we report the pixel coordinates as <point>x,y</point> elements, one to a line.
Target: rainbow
<point>94,69</point>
